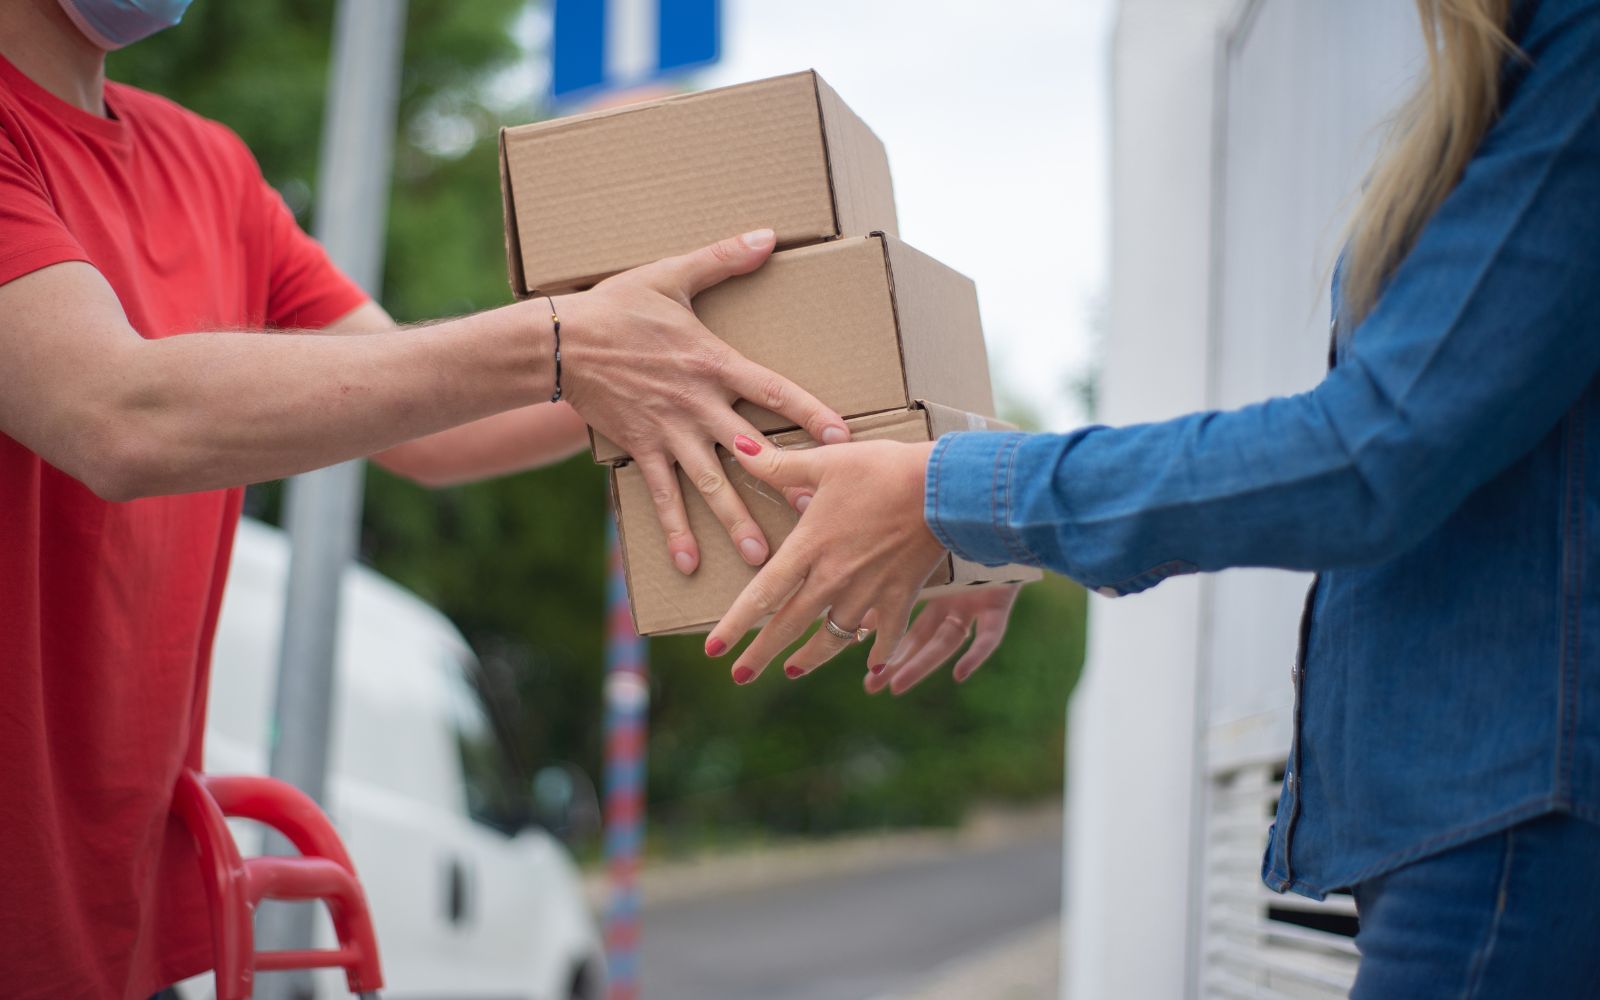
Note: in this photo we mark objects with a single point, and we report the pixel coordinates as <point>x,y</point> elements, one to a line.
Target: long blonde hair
<point>1435,134</point>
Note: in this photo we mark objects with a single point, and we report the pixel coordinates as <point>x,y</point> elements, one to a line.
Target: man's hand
<point>642,370</point>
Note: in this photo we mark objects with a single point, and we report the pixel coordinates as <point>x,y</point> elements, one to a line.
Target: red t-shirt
<point>107,609</point>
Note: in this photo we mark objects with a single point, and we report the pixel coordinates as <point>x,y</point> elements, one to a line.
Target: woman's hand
<point>861,548</point>
<point>941,628</point>
<point>643,371</point>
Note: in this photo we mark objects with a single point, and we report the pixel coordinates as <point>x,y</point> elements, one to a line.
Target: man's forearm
<point>497,445</point>
<point>203,411</point>
<point>507,442</point>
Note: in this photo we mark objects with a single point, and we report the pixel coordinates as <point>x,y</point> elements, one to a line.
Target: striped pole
<point>627,693</point>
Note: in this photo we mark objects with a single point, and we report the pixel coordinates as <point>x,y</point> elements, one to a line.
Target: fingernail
<point>876,668</point>
<point>747,445</point>
<point>792,671</point>
<point>743,675</point>
<point>684,561</point>
<point>835,435</point>
<point>801,502</point>
<point>754,551</point>
<point>961,678</point>
<point>759,239</point>
<point>715,647</point>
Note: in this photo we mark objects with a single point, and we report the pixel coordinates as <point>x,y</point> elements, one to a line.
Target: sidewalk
<point>772,866</point>
<point>1026,967</point>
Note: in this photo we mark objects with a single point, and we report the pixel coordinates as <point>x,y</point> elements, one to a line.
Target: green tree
<point>519,564</point>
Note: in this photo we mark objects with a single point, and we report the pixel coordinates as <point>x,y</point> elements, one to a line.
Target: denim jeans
<point>1513,914</point>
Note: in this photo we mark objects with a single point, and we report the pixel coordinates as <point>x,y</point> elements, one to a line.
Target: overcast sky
<point>994,115</point>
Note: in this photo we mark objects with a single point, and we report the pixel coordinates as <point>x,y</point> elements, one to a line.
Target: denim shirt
<point>1444,480</point>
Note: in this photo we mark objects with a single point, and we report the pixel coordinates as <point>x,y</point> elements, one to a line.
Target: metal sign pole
<point>323,508</point>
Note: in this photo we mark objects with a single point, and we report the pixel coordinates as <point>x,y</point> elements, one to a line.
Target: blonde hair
<point>1434,136</point>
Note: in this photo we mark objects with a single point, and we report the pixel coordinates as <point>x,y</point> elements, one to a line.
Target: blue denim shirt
<point>1444,479</point>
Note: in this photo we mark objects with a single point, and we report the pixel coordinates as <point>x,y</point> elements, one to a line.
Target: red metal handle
<point>234,886</point>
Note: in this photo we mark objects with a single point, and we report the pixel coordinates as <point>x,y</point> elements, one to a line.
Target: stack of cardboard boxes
<point>885,335</point>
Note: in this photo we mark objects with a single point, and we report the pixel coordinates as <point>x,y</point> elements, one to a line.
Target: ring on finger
<point>839,632</point>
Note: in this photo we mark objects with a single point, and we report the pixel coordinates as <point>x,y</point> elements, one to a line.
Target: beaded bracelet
<point>555,323</point>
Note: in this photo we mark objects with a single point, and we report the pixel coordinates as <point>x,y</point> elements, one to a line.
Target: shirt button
<point>1108,591</point>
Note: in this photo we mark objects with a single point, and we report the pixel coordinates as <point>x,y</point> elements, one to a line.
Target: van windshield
<point>491,793</point>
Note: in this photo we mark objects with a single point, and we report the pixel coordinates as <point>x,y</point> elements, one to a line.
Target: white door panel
<point>1305,90</point>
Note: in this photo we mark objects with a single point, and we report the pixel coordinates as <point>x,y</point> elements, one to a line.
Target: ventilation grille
<point>1254,942</point>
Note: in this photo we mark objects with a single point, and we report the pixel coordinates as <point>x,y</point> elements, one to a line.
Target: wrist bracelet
<point>555,324</point>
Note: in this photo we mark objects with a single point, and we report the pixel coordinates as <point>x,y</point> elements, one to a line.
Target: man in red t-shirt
<point>167,335</point>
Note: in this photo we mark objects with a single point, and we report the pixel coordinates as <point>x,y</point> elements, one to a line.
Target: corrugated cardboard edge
<point>622,543</point>
<point>863,195</point>
<point>949,293</point>
<point>578,120</point>
<point>519,285</point>
<point>947,363</point>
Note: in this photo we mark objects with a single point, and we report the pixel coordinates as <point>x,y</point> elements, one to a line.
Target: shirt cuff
<point>967,497</point>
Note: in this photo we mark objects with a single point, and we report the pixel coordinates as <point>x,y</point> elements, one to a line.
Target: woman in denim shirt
<point>1444,480</point>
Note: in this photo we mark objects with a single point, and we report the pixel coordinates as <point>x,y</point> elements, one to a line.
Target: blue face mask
<point>111,24</point>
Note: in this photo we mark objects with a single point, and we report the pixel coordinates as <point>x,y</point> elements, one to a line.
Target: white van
<point>461,908</point>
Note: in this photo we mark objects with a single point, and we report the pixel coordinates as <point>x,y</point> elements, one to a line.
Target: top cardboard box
<point>594,194</point>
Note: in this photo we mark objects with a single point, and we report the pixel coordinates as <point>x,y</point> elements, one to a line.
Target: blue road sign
<point>603,45</point>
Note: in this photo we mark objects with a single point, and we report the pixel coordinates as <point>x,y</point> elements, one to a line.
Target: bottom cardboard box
<point>665,601</point>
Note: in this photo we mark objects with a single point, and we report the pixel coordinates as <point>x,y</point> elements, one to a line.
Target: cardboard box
<point>865,324</point>
<point>665,601</point>
<point>594,194</point>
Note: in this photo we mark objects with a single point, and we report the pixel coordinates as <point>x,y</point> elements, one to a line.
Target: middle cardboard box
<point>865,324</point>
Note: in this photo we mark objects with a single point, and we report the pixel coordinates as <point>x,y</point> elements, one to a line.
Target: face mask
<point>111,24</point>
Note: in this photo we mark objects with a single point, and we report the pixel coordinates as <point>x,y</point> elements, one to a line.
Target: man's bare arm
<point>132,417</point>
<point>512,441</point>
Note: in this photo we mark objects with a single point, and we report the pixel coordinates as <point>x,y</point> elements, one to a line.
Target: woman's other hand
<point>860,548</point>
<point>642,370</point>
<point>940,629</point>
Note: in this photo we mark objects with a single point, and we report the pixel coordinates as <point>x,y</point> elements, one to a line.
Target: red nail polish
<point>792,671</point>
<point>746,445</point>
<point>876,669</point>
<point>743,675</point>
<point>715,647</point>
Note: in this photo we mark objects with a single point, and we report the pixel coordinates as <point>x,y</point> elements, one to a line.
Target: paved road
<point>852,937</point>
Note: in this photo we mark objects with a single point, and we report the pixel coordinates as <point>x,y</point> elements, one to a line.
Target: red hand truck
<point>235,885</point>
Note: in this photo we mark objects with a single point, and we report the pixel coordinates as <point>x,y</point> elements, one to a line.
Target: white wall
<point>1131,766</point>
<point>1240,131</point>
<point>1304,90</point>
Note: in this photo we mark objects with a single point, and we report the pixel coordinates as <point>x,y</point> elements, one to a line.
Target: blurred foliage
<point>519,564</point>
